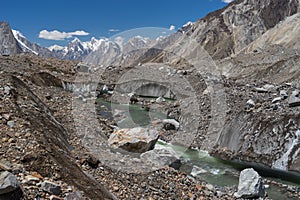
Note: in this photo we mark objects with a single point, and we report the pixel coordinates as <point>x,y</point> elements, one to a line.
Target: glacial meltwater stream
<point>198,163</point>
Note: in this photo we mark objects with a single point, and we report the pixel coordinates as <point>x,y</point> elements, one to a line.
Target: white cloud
<point>227,1</point>
<point>57,35</point>
<point>113,30</point>
<point>172,27</point>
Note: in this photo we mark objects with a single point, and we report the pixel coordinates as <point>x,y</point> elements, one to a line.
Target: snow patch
<point>56,48</point>
<point>19,36</point>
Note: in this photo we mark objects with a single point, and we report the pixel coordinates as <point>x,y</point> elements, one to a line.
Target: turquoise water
<point>199,163</point>
<point>225,173</point>
<point>130,115</point>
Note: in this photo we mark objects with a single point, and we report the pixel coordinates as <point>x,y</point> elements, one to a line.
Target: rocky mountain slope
<point>8,44</point>
<point>227,31</point>
<point>14,42</point>
<point>284,34</point>
<point>29,47</point>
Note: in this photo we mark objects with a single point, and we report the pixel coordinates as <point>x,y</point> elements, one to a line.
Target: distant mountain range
<point>94,51</point>
<point>222,33</point>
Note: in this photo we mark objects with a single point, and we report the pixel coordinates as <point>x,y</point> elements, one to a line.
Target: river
<point>199,163</point>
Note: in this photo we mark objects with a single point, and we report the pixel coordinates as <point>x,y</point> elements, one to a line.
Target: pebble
<point>210,187</point>
<point>17,134</point>
<point>277,99</point>
<point>250,103</point>
<point>283,94</point>
<point>11,124</point>
<point>11,140</point>
<point>53,197</point>
<point>6,116</point>
<point>4,165</point>
<point>31,178</point>
<point>27,135</point>
<point>6,90</point>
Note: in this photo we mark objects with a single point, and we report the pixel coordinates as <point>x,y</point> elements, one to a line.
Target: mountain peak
<point>8,43</point>
<point>56,48</point>
<point>76,40</point>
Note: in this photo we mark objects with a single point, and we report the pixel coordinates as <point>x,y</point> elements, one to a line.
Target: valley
<point>182,116</point>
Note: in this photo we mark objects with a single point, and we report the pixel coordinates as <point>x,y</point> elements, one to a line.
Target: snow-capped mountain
<point>117,49</point>
<point>28,47</point>
<point>78,50</point>
<point>96,51</point>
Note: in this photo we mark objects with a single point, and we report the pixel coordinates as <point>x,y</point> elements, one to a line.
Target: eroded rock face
<point>250,185</point>
<point>268,133</point>
<point>227,31</point>
<point>8,44</point>
<point>137,140</point>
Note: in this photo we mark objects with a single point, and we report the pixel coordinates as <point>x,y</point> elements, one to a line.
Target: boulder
<point>8,182</point>
<point>295,93</point>
<point>277,99</point>
<point>284,94</point>
<point>250,103</point>
<point>260,90</point>
<point>198,170</point>
<point>250,185</point>
<point>9,187</point>
<point>170,124</point>
<point>137,140</point>
<point>50,187</point>
<point>161,157</point>
<point>294,101</point>
<point>160,100</point>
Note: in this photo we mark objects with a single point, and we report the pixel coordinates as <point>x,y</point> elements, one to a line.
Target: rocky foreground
<point>43,158</point>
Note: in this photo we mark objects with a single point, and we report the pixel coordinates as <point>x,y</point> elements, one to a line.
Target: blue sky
<point>98,18</point>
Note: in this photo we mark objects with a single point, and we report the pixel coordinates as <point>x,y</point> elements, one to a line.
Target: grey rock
<point>164,156</point>
<point>277,99</point>
<point>268,87</point>
<point>295,93</point>
<point>50,187</point>
<point>8,44</point>
<point>6,90</point>
<point>250,103</point>
<point>160,100</point>
<point>8,182</point>
<point>137,140</point>
<point>260,90</point>
<point>232,28</point>
<point>171,122</point>
<point>250,185</point>
<point>6,166</point>
<point>104,89</point>
<point>74,196</point>
<point>294,101</point>
<point>284,94</point>
<point>197,170</point>
<point>11,124</point>
<point>210,187</point>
